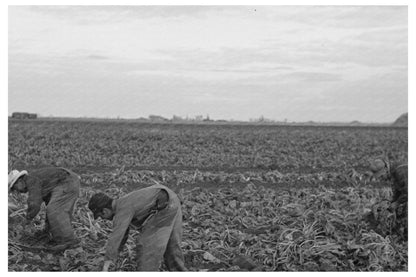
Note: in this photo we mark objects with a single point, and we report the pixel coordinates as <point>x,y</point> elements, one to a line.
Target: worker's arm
<point>124,240</point>
<point>107,265</point>
<point>121,224</point>
<point>34,200</point>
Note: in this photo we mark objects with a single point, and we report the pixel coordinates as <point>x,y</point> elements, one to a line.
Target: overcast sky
<point>321,63</point>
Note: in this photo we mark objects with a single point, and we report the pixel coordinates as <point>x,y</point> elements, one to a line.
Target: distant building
<point>157,118</point>
<point>18,115</point>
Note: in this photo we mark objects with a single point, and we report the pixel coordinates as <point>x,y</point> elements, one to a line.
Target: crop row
<point>275,230</point>
<point>74,144</point>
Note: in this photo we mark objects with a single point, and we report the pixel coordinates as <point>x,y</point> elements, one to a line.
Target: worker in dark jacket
<point>398,175</point>
<point>59,189</point>
<point>156,212</point>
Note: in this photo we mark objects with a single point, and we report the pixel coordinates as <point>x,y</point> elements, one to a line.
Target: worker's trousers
<point>160,239</point>
<point>60,208</point>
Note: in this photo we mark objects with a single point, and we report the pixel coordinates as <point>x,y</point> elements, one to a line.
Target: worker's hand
<point>27,228</point>
<point>107,265</point>
<point>28,217</point>
<point>27,222</point>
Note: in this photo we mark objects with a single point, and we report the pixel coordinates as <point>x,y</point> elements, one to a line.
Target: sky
<point>295,63</point>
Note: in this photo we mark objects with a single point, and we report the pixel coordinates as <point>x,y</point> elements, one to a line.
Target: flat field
<point>271,198</point>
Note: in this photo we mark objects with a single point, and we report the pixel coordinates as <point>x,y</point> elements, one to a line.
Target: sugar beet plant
<point>285,230</point>
<point>244,209</point>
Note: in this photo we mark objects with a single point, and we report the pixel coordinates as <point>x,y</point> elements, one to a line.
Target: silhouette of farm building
<point>157,118</point>
<point>18,115</point>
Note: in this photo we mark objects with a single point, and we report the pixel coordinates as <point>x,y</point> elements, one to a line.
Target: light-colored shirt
<point>133,209</point>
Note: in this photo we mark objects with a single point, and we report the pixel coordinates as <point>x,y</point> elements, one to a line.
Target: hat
<point>380,167</point>
<point>14,175</point>
<point>377,165</point>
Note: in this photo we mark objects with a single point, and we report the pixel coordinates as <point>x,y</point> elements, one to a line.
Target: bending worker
<point>59,189</point>
<point>156,212</point>
<point>398,174</point>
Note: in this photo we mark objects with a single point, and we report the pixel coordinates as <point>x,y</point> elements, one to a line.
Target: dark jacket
<point>399,175</point>
<point>40,184</point>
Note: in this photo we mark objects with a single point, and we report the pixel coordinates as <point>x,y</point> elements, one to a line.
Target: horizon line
<point>208,120</point>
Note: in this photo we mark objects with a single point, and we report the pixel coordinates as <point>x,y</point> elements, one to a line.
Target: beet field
<point>255,198</point>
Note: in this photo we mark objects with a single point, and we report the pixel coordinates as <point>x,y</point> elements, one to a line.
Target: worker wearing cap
<point>398,175</point>
<point>59,189</point>
<point>155,211</point>
<point>14,175</point>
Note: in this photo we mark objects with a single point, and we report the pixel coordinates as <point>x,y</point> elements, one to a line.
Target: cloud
<point>97,57</point>
<point>313,77</point>
<point>341,17</point>
<point>274,61</point>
